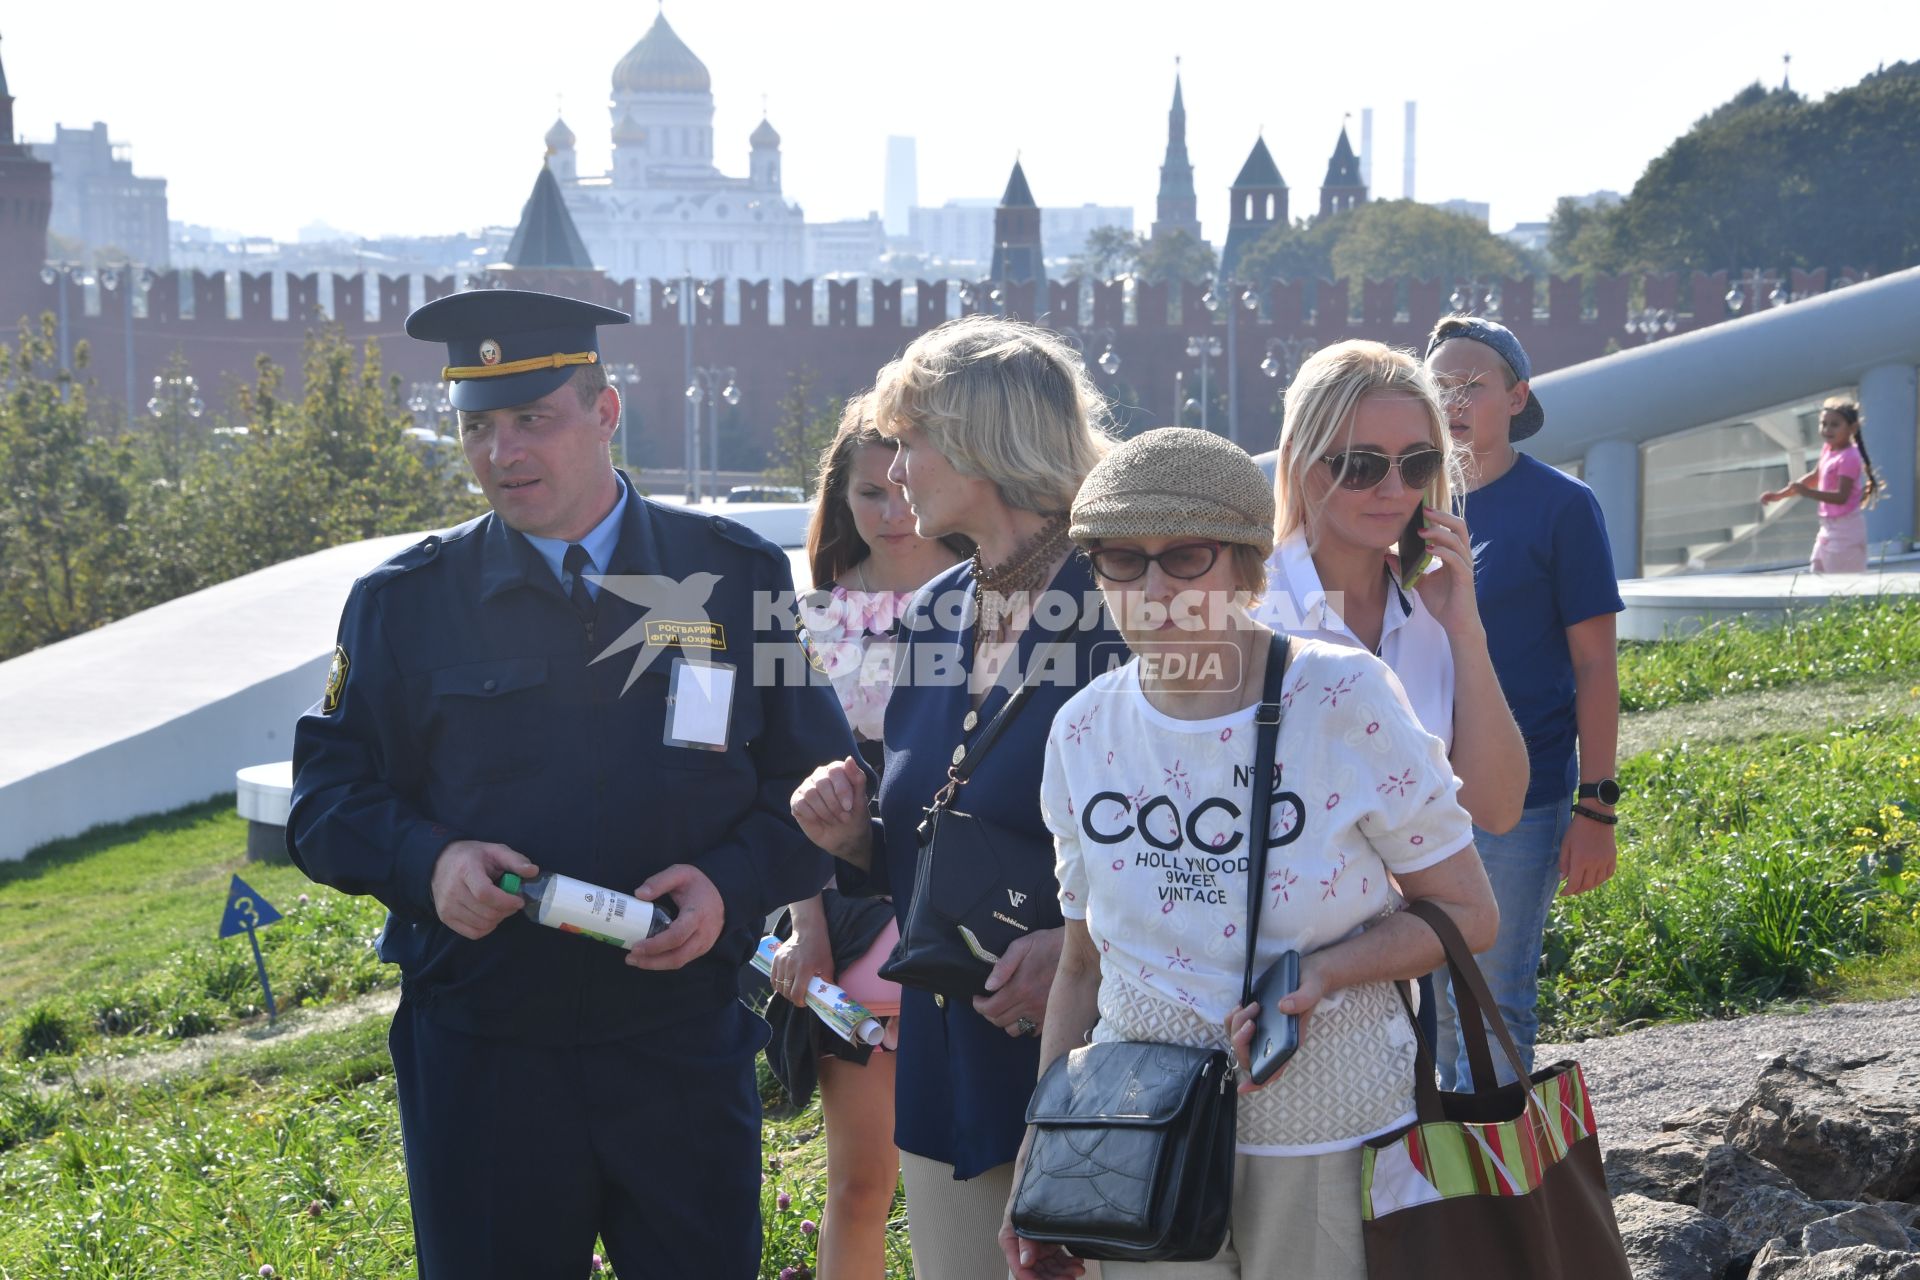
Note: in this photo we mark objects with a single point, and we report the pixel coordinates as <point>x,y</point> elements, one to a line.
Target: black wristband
<point>1606,819</point>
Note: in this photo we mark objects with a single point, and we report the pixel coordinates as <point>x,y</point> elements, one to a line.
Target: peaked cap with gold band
<point>510,346</point>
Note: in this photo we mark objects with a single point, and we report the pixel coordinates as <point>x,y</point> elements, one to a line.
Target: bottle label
<point>574,906</point>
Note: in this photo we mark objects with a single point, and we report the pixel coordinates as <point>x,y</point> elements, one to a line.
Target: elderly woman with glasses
<point>1369,553</point>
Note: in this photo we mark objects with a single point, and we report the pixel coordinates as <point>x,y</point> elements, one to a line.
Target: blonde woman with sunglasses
<point>1365,481</point>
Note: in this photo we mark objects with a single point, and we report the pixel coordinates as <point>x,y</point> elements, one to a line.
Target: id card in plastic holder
<point>699,704</point>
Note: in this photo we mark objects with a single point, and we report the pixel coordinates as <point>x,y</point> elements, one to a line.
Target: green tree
<point>1770,178</point>
<point>287,478</point>
<point>800,432</point>
<point>1175,257</point>
<point>1303,251</point>
<point>1109,252</point>
<point>63,499</point>
<point>1386,239</point>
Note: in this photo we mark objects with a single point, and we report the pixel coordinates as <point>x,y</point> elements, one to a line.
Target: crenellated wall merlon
<point>1317,307</point>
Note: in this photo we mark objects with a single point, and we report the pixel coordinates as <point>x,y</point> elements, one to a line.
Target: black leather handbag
<point>978,885</point>
<point>1132,1149</point>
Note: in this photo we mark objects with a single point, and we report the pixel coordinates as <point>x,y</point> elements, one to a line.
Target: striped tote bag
<point>1500,1183</point>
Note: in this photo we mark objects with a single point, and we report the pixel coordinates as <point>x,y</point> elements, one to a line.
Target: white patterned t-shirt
<point>1149,816</point>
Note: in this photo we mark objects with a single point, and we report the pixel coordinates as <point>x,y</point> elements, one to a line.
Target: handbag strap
<point>1267,717</point>
<point>1473,996</point>
<point>962,769</point>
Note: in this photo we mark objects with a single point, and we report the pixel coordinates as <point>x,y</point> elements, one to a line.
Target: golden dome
<point>661,63</point>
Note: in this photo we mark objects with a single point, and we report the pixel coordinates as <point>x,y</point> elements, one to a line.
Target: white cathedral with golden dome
<point>665,210</point>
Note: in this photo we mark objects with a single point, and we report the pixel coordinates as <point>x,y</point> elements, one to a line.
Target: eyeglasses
<point>1358,470</point>
<point>1186,562</point>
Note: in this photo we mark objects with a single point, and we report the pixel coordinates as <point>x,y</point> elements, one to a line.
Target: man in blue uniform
<point>553,1087</point>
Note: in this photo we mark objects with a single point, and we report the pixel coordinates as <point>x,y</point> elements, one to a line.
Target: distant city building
<point>1176,208</point>
<point>1479,210</point>
<point>26,203</point>
<point>959,234</point>
<point>1066,228</point>
<point>97,200</point>
<point>1531,236</point>
<point>850,247</point>
<point>1407,154</point>
<point>1343,188</point>
<point>903,184</point>
<point>1596,199</point>
<point>665,209</point>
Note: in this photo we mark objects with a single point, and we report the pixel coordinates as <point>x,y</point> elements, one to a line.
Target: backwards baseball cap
<point>510,346</point>
<point>1489,333</point>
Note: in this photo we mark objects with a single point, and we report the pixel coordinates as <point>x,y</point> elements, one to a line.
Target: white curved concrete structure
<point>164,708</point>
<point>1866,335</point>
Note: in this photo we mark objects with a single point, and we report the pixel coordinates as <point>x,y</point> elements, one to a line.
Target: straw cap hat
<point>1176,482</point>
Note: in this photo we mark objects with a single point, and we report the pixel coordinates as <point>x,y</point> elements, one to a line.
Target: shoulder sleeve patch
<point>336,680</point>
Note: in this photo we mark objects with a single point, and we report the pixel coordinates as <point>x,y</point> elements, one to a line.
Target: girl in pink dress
<point>867,562</point>
<point>1844,484</point>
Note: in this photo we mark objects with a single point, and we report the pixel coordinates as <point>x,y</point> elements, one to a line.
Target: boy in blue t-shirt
<point>1544,575</point>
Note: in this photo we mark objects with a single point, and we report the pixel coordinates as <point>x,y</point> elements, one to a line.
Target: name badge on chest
<point>699,704</point>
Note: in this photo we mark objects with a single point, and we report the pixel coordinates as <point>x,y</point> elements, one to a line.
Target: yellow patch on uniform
<point>704,635</point>
<point>336,680</point>
<point>815,658</point>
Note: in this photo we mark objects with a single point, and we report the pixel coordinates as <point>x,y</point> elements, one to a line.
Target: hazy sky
<point>413,118</point>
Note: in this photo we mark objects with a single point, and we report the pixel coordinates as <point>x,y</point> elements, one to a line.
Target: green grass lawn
<point>1875,638</point>
<point>1777,868</point>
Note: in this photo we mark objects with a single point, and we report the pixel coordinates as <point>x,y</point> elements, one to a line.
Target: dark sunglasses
<point>1186,562</point>
<point>1361,469</point>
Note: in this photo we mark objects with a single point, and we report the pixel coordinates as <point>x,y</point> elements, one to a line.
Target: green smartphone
<point>1414,556</point>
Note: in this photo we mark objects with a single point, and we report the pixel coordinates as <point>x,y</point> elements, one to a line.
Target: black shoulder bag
<point>1131,1155</point>
<point>979,886</point>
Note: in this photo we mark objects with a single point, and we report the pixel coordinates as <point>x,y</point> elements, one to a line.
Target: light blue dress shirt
<point>599,543</point>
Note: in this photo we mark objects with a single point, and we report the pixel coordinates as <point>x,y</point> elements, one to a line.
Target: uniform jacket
<point>472,706</point>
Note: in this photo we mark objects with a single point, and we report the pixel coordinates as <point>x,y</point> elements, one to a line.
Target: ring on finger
<point>1025,1025</point>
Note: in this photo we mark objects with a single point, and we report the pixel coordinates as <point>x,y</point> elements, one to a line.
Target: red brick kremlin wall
<point>767,330</point>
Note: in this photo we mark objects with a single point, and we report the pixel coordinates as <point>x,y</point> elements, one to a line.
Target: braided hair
<point>1874,487</point>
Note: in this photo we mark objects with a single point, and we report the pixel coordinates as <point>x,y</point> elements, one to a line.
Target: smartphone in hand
<point>1275,1035</point>
<point>1414,556</point>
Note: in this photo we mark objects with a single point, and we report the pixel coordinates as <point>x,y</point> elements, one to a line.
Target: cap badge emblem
<point>489,351</point>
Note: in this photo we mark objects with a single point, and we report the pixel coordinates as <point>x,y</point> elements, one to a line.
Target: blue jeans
<point>1524,867</point>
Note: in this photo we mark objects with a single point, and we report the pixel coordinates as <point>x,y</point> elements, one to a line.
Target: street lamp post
<point>1206,348</point>
<point>623,376</point>
<point>60,274</point>
<point>1108,361</point>
<point>139,280</point>
<point>1651,323</point>
<point>1239,297</point>
<point>713,386</point>
<point>1283,360</point>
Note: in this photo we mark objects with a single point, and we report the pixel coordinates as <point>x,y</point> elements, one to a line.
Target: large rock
<point>1862,1228</point>
<point>1861,1263</point>
<point>1664,1167</point>
<point>1666,1241</point>
<point>1842,1130</point>
<point>1762,1212</point>
<point>1730,1173</point>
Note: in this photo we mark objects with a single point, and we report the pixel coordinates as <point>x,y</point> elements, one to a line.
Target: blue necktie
<point>576,564</point>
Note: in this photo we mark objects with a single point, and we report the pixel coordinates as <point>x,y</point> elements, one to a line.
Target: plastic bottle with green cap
<point>574,906</point>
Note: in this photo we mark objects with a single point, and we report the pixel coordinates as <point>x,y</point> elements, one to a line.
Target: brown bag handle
<point>1473,995</point>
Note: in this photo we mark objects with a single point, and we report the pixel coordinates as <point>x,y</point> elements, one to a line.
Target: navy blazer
<point>473,704</point>
<point>961,1083</point>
